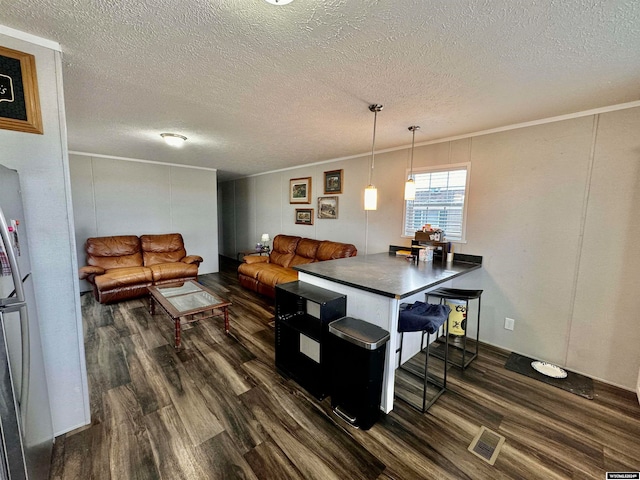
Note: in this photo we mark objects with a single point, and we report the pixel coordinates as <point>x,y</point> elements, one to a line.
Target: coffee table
<point>188,302</point>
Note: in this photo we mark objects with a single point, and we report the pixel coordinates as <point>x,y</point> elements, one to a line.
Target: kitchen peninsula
<point>376,285</point>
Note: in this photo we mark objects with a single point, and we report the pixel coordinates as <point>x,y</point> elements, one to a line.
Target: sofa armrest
<point>255,259</point>
<point>86,271</point>
<point>197,259</point>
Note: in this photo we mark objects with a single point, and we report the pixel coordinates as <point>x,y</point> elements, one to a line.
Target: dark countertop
<point>388,275</point>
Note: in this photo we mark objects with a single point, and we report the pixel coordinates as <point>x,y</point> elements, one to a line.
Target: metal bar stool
<point>467,356</point>
<point>428,319</point>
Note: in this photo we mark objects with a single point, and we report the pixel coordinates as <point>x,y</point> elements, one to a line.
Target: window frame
<point>435,169</point>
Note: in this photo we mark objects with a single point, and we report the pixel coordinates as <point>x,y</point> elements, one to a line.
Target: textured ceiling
<point>258,87</point>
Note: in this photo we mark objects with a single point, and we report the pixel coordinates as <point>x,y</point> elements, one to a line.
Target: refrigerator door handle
<point>13,261</point>
<point>24,316</point>
<point>12,455</point>
<point>8,305</point>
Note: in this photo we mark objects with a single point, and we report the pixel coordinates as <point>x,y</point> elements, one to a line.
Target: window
<point>440,201</point>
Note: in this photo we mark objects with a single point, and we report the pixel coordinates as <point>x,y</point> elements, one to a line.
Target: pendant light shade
<point>410,190</point>
<point>371,192</point>
<point>370,198</point>
<point>410,185</point>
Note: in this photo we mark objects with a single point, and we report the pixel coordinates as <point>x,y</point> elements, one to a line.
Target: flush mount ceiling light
<point>174,139</point>
<point>279,2</point>
<point>410,186</point>
<point>371,193</point>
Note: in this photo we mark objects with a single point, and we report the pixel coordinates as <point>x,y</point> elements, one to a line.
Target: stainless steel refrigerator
<point>26,433</point>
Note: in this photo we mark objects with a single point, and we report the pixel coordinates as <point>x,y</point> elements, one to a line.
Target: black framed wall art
<point>304,216</point>
<point>19,100</point>
<point>333,181</point>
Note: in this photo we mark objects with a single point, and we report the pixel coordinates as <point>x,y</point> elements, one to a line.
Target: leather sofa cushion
<point>284,248</point>
<point>197,259</point>
<point>255,259</point>
<point>88,272</point>
<point>332,250</point>
<point>123,277</point>
<point>251,269</point>
<point>114,252</point>
<point>305,252</point>
<point>166,248</point>
<point>274,274</point>
<point>122,293</point>
<point>177,270</point>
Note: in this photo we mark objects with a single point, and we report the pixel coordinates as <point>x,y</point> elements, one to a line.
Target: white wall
<point>42,162</point>
<point>605,332</point>
<point>124,197</point>
<point>552,209</point>
<point>261,205</point>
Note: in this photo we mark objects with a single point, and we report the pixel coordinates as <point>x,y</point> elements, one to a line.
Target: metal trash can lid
<point>360,333</point>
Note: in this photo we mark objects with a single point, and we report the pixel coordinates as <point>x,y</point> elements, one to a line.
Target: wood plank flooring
<point>219,410</point>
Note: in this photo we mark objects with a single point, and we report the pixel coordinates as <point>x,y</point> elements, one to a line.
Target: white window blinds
<point>440,201</point>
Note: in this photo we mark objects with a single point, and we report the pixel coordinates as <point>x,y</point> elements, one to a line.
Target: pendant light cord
<point>373,146</point>
<point>375,108</point>
<point>413,142</point>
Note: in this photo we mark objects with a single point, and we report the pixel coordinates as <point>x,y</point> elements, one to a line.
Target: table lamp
<point>265,240</point>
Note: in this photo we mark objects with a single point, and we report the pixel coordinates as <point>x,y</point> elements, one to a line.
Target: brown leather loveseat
<point>121,267</point>
<point>262,274</point>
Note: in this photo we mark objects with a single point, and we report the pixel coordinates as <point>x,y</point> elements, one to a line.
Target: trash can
<point>356,358</point>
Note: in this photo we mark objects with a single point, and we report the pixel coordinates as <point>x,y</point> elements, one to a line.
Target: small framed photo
<point>304,216</point>
<point>19,100</point>
<point>300,190</point>
<point>328,207</point>
<point>333,181</point>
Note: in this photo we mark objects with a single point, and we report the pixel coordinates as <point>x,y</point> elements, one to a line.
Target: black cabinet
<point>303,313</point>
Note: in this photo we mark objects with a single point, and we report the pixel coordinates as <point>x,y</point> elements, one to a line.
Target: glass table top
<point>188,297</point>
<point>181,290</point>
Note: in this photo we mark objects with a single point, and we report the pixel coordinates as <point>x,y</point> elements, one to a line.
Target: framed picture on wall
<point>304,216</point>
<point>300,190</point>
<point>19,100</point>
<point>333,181</point>
<point>328,207</point>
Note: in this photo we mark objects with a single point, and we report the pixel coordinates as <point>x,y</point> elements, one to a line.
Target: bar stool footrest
<point>455,352</point>
<point>415,407</point>
<point>432,378</point>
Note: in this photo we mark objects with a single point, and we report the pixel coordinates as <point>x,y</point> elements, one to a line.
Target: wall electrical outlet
<point>509,323</point>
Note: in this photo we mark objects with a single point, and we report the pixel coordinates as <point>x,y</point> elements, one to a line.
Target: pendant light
<point>371,193</point>
<point>410,186</point>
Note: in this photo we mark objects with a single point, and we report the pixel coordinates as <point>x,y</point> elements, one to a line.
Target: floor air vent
<point>487,445</point>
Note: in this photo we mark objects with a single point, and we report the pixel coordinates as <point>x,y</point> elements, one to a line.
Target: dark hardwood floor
<point>219,409</point>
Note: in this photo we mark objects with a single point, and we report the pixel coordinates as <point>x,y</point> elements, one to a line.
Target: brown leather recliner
<point>121,267</point>
<point>262,274</point>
